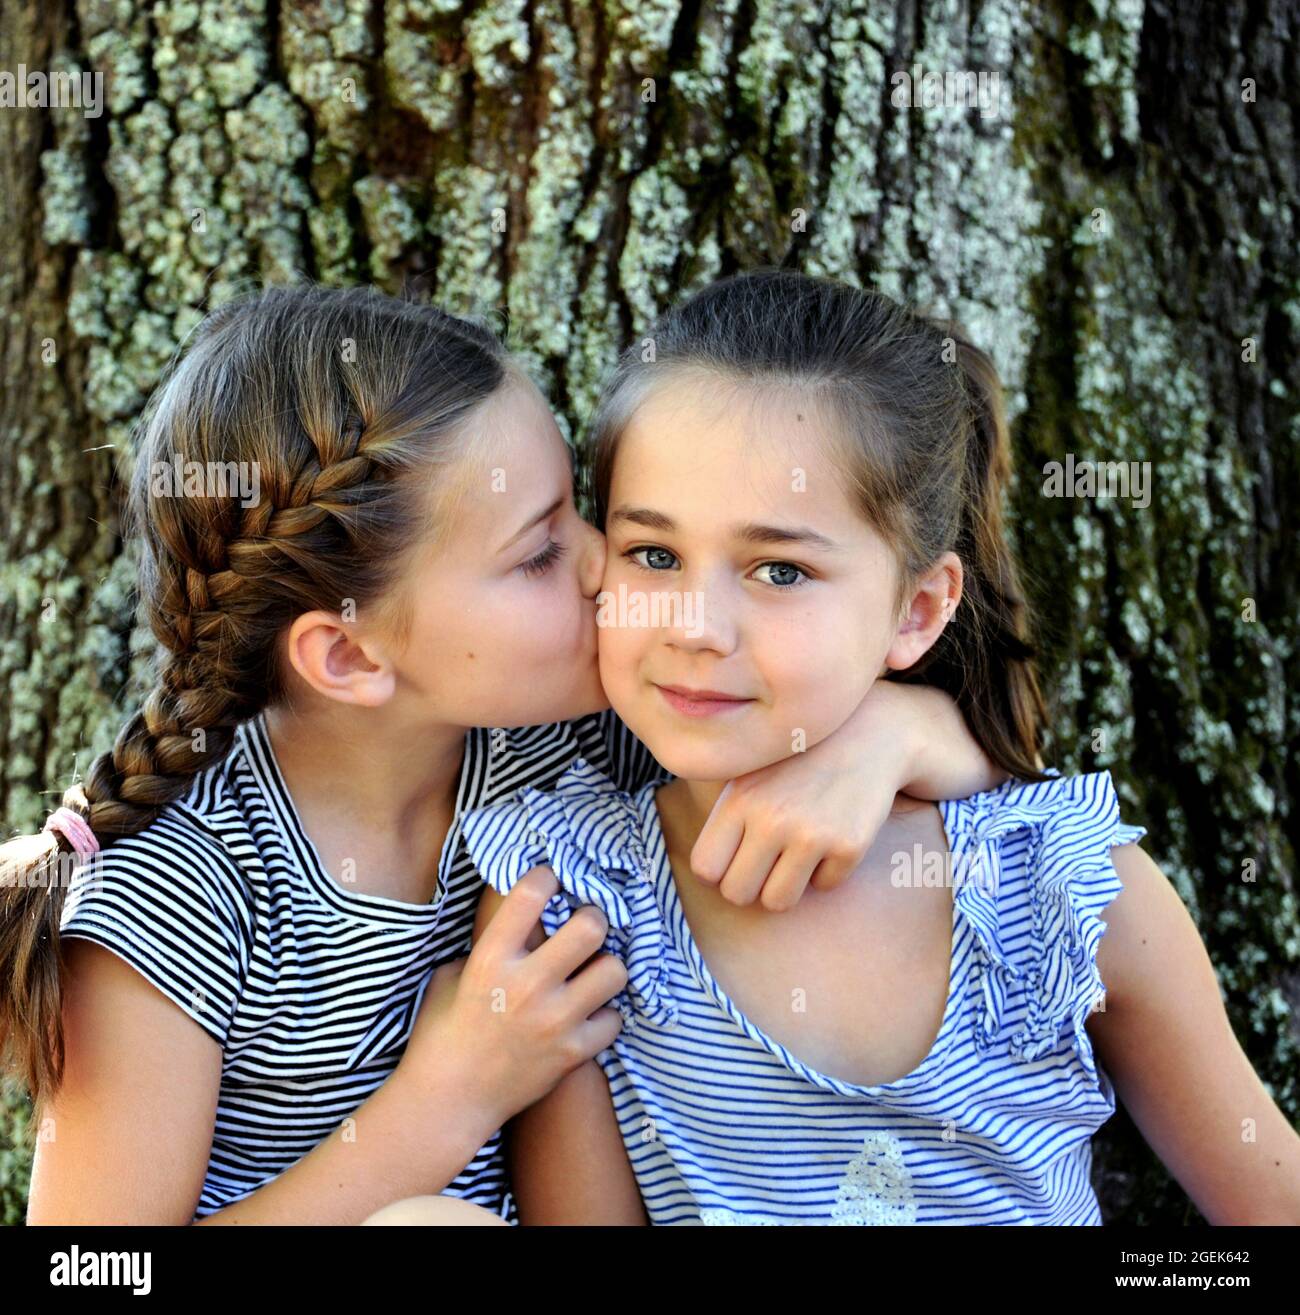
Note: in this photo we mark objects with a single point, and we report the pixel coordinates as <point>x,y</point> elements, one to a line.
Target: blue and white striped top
<point>724,1125</point>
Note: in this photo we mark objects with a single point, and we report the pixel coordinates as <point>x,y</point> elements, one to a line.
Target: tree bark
<point>1120,234</point>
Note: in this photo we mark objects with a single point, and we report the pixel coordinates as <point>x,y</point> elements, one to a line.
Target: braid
<point>333,436</point>
<point>342,443</point>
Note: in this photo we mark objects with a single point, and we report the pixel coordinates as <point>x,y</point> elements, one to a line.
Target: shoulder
<point>1071,798</point>
<point>1063,830</point>
<point>521,757</point>
<point>1044,854</point>
<point>1063,826</point>
<point>584,814</point>
<point>179,852</point>
<point>586,830</point>
<point>170,903</point>
<point>1148,927</point>
<point>173,885</point>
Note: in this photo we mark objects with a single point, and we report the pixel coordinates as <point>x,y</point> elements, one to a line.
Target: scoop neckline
<point>674,915</point>
<point>306,856</point>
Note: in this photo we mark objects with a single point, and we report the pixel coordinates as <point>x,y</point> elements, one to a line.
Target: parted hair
<point>918,425</point>
<point>346,403</point>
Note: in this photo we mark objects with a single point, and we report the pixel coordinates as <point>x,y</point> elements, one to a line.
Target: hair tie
<point>75,829</point>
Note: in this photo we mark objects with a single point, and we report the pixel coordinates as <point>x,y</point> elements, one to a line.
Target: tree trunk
<point>1117,225</point>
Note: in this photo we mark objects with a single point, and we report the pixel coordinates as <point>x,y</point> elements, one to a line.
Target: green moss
<point>498,40</point>
<point>422,61</point>
<point>469,209</point>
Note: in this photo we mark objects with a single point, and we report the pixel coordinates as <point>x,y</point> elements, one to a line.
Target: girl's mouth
<point>700,703</point>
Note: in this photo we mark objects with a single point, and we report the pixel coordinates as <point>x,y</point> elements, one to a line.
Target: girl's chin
<point>708,767</point>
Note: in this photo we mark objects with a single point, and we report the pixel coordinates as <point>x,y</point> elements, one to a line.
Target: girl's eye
<point>784,567</point>
<point>782,582</point>
<point>662,566</point>
<point>545,559</point>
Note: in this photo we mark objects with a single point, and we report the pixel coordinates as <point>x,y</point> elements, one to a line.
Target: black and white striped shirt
<point>310,989</point>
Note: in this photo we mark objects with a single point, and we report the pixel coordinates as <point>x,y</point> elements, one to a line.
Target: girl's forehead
<point>508,453</point>
<point>512,432</point>
<point>764,430</point>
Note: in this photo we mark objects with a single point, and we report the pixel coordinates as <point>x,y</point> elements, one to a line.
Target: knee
<point>433,1211</point>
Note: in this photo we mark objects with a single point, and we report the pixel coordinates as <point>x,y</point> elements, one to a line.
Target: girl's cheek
<point>607,648</point>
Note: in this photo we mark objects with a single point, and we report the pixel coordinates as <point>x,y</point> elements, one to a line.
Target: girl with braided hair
<point>255,1001</point>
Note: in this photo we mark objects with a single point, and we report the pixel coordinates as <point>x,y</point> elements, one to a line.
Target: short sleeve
<point>1073,823</point>
<point>169,902</point>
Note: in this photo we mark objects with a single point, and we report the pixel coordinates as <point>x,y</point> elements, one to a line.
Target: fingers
<point>777,871</point>
<point>750,868</point>
<point>599,1031</point>
<point>516,930</point>
<point>719,839</point>
<point>512,925</point>
<point>597,984</point>
<point>831,872</point>
<point>581,936</point>
<point>789,879</point>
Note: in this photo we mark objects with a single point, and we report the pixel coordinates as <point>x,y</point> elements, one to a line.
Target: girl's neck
<point>372,785</point>
<point>684,807</point>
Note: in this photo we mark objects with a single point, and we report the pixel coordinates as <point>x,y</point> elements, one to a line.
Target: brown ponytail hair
<point>920,425</point>
<point>344,402</point>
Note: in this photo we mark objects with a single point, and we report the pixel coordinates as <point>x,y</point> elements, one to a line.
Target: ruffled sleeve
<point>1073,823</point>
<point>588,831</point>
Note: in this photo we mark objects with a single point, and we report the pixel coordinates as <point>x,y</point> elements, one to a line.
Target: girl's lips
<point>689,707</point>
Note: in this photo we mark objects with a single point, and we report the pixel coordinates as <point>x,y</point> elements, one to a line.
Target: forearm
<point>942,759</point>
<point>568,1164</point>
<point>403,1141</point>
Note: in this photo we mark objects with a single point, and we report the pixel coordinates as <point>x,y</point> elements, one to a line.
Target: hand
<point>512,1021</point>
<point>811,818</point>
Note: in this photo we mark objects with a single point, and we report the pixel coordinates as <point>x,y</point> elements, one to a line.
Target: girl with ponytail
<point>936,1040</point>
<point>234,962</point>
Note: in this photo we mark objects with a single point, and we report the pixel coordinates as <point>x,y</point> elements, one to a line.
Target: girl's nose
<point>703,618</point>
<point>593,561</point>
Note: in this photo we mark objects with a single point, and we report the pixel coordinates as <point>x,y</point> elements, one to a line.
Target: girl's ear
<point>932,606</point>
<point>336,662</point>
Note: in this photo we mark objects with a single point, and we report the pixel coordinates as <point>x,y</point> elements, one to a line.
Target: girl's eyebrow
<point>747,533</point>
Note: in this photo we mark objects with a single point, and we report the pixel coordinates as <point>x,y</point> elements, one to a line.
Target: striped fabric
<point>310,989</point>
<point>723,1125</point>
